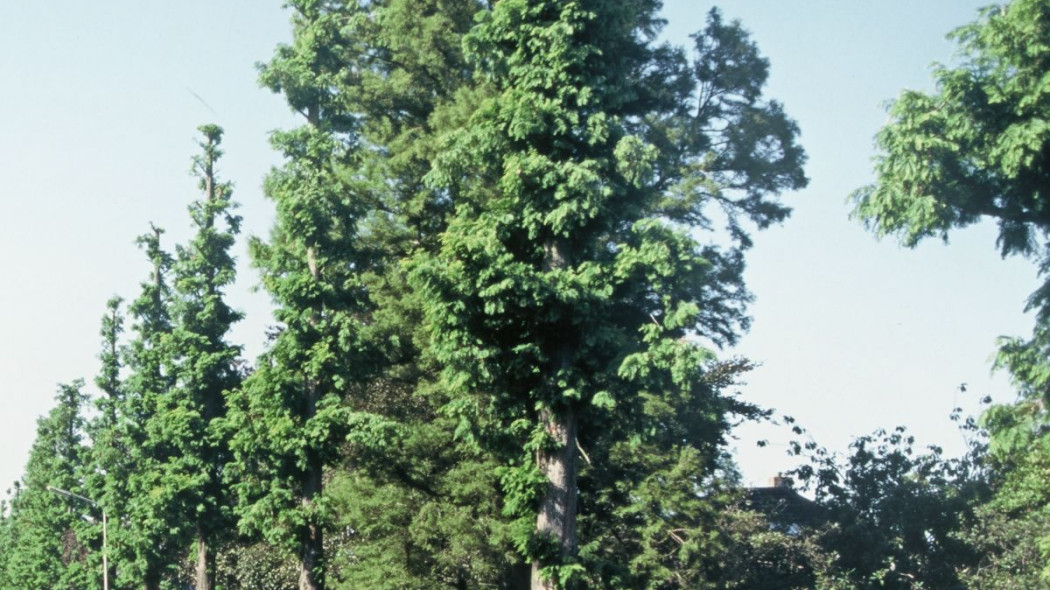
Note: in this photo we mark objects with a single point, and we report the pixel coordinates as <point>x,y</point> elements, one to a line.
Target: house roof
<point>783,506</point>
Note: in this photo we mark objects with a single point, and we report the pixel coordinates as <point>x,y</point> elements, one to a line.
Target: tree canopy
<point>976,148</point>
<point>566,285</point>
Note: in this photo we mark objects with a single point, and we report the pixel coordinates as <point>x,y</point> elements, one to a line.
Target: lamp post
<point>105,557</point>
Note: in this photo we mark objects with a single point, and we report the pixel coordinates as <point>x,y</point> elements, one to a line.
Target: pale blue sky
<point>98,111</point>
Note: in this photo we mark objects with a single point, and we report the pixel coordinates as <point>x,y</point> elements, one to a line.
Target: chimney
<point>780,481</point>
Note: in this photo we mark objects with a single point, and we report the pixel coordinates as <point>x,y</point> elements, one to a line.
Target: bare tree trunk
<point>203,562</point>
<point>556,519</point>
<point>310,560</point>
<point>557,516</point>
<point>311,543</point>
<point>151,577</point>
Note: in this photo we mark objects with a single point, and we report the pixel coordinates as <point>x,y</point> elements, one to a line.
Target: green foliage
<point>653,494</point>
<point>898,517</point>
<point>107,464</point>
<point>416,524</point>
<point>566,283</point>
<point>288,421</point>
<point>203,366</point>
<point>747,552</point>
<point>254,566</point>
<point>179,368</point>
<point>143,536</point>
<point>6,532</point>
<point>367,77</point>
<point>1008,530</point>
<point>485,239</point>
<point>976,148</point>
<point>48,538</point>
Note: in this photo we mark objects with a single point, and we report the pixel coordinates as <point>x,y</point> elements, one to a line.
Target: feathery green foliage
<point>494,310</point>
<point>180,368</point>
<point>975,149</point>
<point>147,514</point>
<point>567,287</point>
<point>202,364</point>
<point>293,414</point>
<point>108,466</point>
<point>48,537</point>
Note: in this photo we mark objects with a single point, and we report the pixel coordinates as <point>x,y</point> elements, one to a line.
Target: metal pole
<point>72,495</point>
<point>105,535</point>
<point>105,554</point>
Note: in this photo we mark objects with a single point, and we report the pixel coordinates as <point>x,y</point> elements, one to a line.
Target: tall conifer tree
<point>558,303</point>
<point>48,534</point>
<point>109,467</point>
<point>181,367</point>
<point>425,510</point>
<point>294,413</point>
<point>567,286</point>
<point>146,515</point>
<point>204,366</point>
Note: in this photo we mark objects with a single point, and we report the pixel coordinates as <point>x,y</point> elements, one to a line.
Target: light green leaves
<point>634,160</point>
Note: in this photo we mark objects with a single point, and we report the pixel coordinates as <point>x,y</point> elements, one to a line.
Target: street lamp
<point>105,560</point>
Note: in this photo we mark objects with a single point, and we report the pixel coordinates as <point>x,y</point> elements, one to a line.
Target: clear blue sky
<point>98,113</point>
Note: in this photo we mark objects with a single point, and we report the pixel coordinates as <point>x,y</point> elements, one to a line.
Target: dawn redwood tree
<point>658,493</point>
<point>108,379</point>
<point>204,366</point>
<point>48,546</point>
<point>146,514</point>
<point>108,462</point>
<point>180,367</point>
<point>568,283</point>
<point>423,511</point>
<point>294,412</point>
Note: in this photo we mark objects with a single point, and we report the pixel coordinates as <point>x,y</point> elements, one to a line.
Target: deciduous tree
<point>976,148</point>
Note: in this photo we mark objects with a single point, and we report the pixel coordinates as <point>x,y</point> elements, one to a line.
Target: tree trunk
<point>311,546</point>
<point>310,560</point>
<point>151,577</point>
<point>311,541</point>
<point>203,562</point>
<point>518,577</point>
<point>557,515</point>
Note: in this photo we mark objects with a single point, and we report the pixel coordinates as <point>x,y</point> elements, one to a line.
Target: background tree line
<point>510,238</point>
